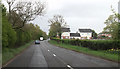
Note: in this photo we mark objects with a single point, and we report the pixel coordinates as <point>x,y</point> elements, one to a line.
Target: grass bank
<point>99,53</point>
<point>9,53</point>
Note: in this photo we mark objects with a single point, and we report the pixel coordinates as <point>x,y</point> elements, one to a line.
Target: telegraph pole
<point>119,19</point>
<point>119,8</point>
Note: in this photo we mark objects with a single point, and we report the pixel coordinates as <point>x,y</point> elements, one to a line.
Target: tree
<point>56,24</point>
<point>58,19</point>
<point>8,34</point>
<point>54,29</point>
<point>94,34</point>
<point>24,12</point>
<point>44,35</point>
<point>112,26</point>
<point>117,15</point>
<point>11,37</point>
<point>119,27</point>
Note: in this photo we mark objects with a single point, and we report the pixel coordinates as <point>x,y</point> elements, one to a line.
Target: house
<point>104,36</point>
<point>85,33</point>
<point>65,33</point>
<point>75,36</point>
<point>82,34</point>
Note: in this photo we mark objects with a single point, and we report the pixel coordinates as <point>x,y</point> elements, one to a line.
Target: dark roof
<point>75,34</point>
<point>85,30</point>
<point>65,29</point>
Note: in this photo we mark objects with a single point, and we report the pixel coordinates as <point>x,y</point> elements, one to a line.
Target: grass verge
<point>8,54</point>
<point>99,53</point>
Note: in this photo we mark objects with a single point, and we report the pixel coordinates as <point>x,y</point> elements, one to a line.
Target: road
<point>47,55</point>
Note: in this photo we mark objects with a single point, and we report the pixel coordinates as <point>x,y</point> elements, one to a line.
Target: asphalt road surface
<point>47,55</point>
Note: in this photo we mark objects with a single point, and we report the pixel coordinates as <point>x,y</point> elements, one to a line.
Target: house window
<point>88,34</point>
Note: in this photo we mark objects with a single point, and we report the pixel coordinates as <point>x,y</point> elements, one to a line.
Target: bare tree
<point>58,19</point>
<point>23,12</point>
<point>10,3</point>
<point>56,24</point>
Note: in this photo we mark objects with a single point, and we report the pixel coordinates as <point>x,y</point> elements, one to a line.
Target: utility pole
<point>119,8</point>
<point>119,19</point>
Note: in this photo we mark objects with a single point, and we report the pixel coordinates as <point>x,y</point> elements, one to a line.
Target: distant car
<point>37,42</point>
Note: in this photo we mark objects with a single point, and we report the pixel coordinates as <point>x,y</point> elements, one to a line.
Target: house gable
<point>85,33</point>
<point>65,33</point>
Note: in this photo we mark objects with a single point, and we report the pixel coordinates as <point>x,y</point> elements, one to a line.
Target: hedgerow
<point>92,44</point>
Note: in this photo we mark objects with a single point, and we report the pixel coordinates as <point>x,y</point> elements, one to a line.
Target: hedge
<point>92,44</point>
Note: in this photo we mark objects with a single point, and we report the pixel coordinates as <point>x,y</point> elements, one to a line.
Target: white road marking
<point>69,66</point>
<point>48,50</point>
<point>54,55</point>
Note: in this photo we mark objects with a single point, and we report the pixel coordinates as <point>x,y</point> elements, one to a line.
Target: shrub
<point>92,44</point>
<point>8,34</point>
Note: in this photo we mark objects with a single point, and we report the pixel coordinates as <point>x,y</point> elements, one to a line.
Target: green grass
<point>99,53</point>
<point>8,53</point>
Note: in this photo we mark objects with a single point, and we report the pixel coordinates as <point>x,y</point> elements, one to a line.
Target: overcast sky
<point>78,13</point>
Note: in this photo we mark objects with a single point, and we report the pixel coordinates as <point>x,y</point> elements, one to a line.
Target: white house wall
<point>87,34</point>
<point>65,34</point>
<point>82,34</point>
<point>75,37</point>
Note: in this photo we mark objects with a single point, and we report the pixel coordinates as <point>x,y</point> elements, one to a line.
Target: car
<point>37,42</point>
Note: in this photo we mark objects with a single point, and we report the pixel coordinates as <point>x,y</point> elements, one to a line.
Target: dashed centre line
<point>64,63</point>
<point>69,66</point>
<point>54,55</point>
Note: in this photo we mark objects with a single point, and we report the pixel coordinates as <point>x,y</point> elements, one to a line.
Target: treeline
<point>12,38</point>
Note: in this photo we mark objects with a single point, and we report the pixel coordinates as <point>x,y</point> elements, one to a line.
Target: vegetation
<point>55,25</point>
<point>94,34</point>
<point>21,12</point>
<point>16,37</point>
<point>8,34</point>
<point>106,54</point>
<point>113,25</point>
<point>14,34</point>
<point>92,44</point>
<point>9,53</point>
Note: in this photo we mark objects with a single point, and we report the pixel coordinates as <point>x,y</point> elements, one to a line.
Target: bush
<point>8,34</point>
<point>92,44</point>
